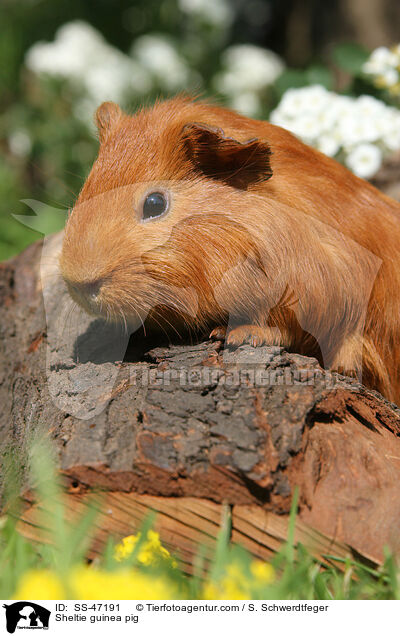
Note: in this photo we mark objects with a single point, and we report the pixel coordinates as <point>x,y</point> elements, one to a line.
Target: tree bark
<point>190,428</point>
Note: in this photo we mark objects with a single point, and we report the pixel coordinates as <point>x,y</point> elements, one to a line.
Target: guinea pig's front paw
<point>219,333</point>
<point>253,335</point>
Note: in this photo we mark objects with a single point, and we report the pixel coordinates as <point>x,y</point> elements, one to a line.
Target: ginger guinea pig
<point>195,217</point>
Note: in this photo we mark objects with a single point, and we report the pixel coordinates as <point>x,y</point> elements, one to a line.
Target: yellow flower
<point>232,585</point>
<point>262,571</point>
<point>125,584</point>
<point>236,583</point>
<point>151,551</point>
<point>224,590</point>
<point>39,585</point>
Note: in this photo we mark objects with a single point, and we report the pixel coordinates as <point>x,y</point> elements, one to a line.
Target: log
<point>191,428</point>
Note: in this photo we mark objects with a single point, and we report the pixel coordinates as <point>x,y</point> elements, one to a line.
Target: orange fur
<point>262,231</point>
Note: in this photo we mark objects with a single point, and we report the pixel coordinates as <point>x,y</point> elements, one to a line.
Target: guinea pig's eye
<point>154,205</point>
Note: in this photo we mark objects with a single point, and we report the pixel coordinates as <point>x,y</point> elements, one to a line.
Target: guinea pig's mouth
<point>92,297</point>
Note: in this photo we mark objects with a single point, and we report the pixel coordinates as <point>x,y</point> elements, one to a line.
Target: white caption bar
<point>177,617</point>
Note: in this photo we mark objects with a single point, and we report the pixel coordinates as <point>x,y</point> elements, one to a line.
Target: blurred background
<point>328,71</point>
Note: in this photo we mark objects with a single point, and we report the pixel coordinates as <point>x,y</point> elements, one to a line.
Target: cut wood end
<point>187,524</point>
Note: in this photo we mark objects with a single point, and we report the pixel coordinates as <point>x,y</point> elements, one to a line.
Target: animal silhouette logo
<point>26,615</point>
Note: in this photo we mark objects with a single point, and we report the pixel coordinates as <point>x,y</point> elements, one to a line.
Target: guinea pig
<point>194,217</point>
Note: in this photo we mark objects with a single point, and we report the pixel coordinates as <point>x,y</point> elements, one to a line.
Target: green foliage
<point>62,150</point>
<point>350,57</point>
<point>296,78</point>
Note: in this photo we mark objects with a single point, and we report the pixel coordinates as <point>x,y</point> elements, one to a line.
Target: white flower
<point>291,104</point>
<point>365,160</point>
<point>279,119</point>
<point>380,59</point>
<point>316,97</point>
<point>384,65</point>
<point>248,68</point>
<point>328,144</point>
<point>369,106</point>
<point>342,104</point>
<point>216,12</point>
<point>112,80</point>
<point>390,77</point>
<point>356,128</point>
<point>20,143</point>
<point>362,129</point>
<point>246,103</point>
<point>310,99</point>
<point>77,45</point>
<point>80,55</point>
<point>327,118</point>
<point>156,54</point>
<point>391,129</point>
<point>307,127</point>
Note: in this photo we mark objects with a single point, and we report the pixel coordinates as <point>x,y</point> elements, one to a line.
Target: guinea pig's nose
<point>92,289</point>
<point>89,289</point>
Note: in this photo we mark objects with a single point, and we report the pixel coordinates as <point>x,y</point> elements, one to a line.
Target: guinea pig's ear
<point>107,116</point>
<point>239,164</point>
